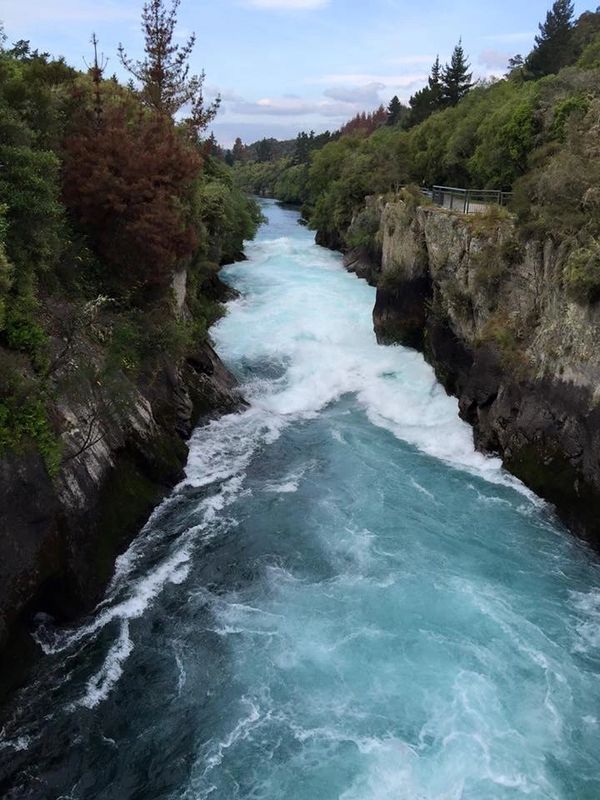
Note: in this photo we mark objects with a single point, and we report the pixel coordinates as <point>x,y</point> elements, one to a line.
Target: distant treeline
<point>533,130</point>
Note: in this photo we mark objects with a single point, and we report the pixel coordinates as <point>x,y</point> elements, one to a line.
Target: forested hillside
<point>103,198</point>
<point>115,218</point>
<point>534,131</point>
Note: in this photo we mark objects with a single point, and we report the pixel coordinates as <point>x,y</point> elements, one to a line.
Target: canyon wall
<point>490,312</point>
<point>123,447</point>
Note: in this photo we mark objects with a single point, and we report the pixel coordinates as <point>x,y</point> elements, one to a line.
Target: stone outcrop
<point>490,313</point>
<point>123,448</point>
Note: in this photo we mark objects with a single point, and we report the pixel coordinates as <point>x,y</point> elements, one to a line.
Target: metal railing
<point>468,201</point>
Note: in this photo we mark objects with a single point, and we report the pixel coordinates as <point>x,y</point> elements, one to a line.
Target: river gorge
<point>343,599</point>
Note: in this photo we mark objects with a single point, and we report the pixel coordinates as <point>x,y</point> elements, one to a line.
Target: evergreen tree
<point>394,111</point>
<point>553,45</point>
<point>435,85</point>
<point>456,78</point>
<point>428,99</point>
<point>302,148</point>
<point>164,73</point>
<point>212,147</point>
<point>239,150</point>
<point>420,106</point>
<point>264,150</point>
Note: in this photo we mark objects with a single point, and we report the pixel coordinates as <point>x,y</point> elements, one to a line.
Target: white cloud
<point>290,5</point>
<point>367,95</point>
<point>494,59</point>
<point>521,36</point>
<point>290,107</point>
<point>411,60</point>
<point>366,79</point>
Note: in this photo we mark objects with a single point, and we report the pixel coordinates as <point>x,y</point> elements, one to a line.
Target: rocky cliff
<point>489,310</point>
<point>122,448</point>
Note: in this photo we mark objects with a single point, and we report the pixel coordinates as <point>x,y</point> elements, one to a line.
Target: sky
<point>282,66</point>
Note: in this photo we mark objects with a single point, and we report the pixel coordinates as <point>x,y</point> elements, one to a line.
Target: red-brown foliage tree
<point>365,123</point>
<point>126,181</point>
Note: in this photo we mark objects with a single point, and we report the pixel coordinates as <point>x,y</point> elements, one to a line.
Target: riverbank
<point>489,311</point>
<point>343,594</point>
<point>123,443</point>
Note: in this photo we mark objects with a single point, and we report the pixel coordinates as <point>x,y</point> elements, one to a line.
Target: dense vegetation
<point>535,131</point>
<point>105,192</point>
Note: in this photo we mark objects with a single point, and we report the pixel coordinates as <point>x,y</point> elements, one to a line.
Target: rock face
<point>123,448</point>
<point>490,313</point>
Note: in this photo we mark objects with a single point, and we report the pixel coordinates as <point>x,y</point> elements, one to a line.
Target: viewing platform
<point>467,201</point>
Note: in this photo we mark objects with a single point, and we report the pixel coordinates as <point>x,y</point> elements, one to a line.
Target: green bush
<point>23,332</point>
<point>23,413</point>
<point>590,58</point>
<point>576,104</point>
<point>582,274</point>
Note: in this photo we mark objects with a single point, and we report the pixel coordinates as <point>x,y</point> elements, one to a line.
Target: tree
<point>239,150</point>
<point>553,44</point>
<point>127,184</point>
<point>428,99</point>
<point>515,62</point>
<point>302,147</point>
<point>434,84</point>
<point>212,147</point>
<point>455,77</point>
<point>397,112</point>
<point>394,110</point>
<point>264,150</point>
<point>164,74</point>
<point>365,123</point>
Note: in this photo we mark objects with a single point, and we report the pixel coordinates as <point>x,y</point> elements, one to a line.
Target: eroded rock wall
<point>123,448</point>
<point>491,315</point>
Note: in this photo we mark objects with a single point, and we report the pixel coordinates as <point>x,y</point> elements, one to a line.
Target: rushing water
<point>343,600</point>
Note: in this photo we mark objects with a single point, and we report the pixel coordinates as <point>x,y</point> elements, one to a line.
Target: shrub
<point>24,333</point>
<point>582,274</point>
<point>23,413</point>
<point>364,229</point>
<point>575,104</point>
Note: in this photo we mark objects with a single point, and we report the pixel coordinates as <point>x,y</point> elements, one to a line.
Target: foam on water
<point>342,600</point>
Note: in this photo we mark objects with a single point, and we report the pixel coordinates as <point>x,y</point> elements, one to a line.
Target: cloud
<point>227,131</point>
<point>226,95</point>
<point>366,79</point>
<point>411,60</point>
<point>367,95</point>
<point>519,36</point>
<point>494,59</point>
<point>290,107</point>
<point>287,5</point>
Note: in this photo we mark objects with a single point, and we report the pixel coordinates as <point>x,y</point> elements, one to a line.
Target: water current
<point>342,601</point>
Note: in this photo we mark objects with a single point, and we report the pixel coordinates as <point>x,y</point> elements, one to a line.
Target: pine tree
<point>212,147</point>
<point>394,111</point>
<point>264,150</point>
<point>239,150</point>
<point>456,78</point>
<point>164,73</point>
<point>435,85</point>
<point>552,46</point>
<point>302,148</point>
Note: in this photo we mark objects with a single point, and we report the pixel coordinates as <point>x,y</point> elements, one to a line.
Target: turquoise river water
<point>342,601</point>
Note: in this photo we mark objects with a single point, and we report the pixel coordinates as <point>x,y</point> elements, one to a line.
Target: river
<point>342,601</point>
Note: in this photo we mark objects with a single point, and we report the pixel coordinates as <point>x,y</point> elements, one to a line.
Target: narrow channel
<point>342,600</point>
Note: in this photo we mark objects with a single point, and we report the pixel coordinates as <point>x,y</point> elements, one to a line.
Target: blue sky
<point>282,66</point>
